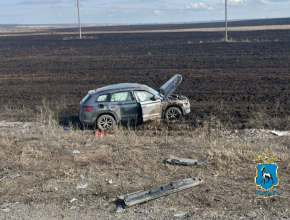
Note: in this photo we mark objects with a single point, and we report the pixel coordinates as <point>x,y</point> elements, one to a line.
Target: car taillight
<point>88,108</point>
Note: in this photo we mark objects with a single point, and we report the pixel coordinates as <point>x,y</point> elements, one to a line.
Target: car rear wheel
<point>173,113</point>
<point>105,122</point>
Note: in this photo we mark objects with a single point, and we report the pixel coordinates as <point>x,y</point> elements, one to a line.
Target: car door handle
<point>112,106</point>
<point>144,106</point>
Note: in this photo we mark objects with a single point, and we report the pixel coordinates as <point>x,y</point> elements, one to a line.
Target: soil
<point>230,80</point>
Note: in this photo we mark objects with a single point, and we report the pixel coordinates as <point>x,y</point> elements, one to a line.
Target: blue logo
<point>267,176</point>
<point>267,172</point>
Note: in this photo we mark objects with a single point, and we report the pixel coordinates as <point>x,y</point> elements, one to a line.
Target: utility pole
<point>226,19</point>
<point>78,4</point>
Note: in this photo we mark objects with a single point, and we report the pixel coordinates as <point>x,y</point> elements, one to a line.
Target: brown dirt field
<point>233,80</point>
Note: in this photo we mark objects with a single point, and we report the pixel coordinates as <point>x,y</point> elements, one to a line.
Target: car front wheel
<point>173,113</point>
<point>105,122</point>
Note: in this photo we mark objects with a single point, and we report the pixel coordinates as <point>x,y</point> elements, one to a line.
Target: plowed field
<point>232,80</point>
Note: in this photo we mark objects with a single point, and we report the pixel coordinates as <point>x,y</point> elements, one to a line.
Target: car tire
<point>105,122</point>
<point>173,113</point>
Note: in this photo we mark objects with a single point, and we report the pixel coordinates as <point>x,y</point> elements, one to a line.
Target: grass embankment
<point>42,154</point>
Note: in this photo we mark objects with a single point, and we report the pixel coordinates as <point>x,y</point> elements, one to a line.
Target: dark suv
<point>109,105</point>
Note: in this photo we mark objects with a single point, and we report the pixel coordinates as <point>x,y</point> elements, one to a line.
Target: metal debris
<point>72,200</point>
<point>82,186</point>
<point>182,214</point>
<point>186,162</point>
<point>15,176</point>
<point>83,177</point>
<point>280,133</point>
<point>217,198</point>
<point>6,210</point>
<point>120,209</point>
<point>146,195</point>
<point>76,152</point>
<point>110,181</point>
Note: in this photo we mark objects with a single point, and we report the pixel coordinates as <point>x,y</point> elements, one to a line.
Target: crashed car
<point>105,107</point>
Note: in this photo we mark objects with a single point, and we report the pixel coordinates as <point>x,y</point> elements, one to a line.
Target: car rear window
<point>86,98</point>
<point>102,98</point>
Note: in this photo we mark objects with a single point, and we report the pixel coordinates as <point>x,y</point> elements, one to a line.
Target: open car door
<point>150,105</point>
<point>170,86</point>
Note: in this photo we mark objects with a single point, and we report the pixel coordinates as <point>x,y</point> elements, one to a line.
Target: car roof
<point>118,87</point>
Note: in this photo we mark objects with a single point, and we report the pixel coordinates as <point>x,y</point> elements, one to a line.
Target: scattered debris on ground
<point>120,209</point>
<point>186,162</point>
<point>72,200</point>
<point>280,133</point>
<point>129,162</point>
<point>15,176</point>
<point>76,152</point>
<point>182,214</point>
<point>82,186</point>
<point>82,177</point>
<point>6,210</point>
<point>217,198</point>
<point>147,195</point>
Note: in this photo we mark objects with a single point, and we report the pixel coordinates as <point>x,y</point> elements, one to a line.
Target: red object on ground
<point>100,133</point>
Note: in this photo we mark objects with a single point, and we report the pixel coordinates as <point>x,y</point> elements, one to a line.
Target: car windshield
<point>155,92</point>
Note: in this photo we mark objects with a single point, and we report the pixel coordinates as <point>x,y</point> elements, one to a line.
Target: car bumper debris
<point>163,190</point>
<point>186,162</point>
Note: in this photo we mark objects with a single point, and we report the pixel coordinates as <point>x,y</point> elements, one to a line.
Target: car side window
<point>102,98</point>
<point>121,97</point>
<point>144,96</point>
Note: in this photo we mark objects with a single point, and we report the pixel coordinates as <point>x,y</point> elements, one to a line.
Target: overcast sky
<point>137,11</point>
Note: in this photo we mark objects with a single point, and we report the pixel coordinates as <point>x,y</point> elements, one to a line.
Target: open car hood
<point>169,87</point>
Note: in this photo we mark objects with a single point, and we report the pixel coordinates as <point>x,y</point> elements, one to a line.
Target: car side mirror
<point>154,98</point>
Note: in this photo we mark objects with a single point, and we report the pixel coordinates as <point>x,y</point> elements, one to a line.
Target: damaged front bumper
<point>186,108</point>
<point>179,100</point>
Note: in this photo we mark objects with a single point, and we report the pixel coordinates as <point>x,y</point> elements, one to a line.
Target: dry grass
<point>133,159</point>
<point>261,118</point>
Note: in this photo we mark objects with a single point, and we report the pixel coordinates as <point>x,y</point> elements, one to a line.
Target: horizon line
<point>150,23</point>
